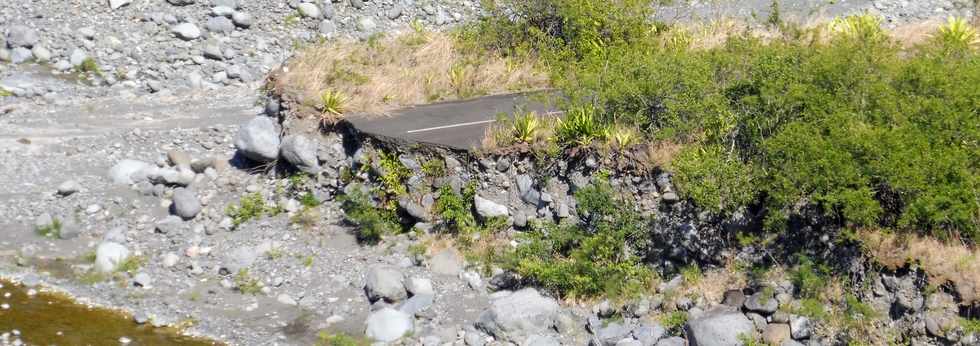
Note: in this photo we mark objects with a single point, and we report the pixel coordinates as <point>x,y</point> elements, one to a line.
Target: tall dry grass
<point>403,69</point>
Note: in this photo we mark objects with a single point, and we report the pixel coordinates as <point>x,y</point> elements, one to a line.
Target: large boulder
<point>386,283</point>
<point>109,255</point>
<point>719,327</point>
<point>300,151</point>
<point>21,36</point>
<point>519,315</point>
<point>123,171</point>
<point>763,301</point>
<point>258,139</point>
<point>387,325</point>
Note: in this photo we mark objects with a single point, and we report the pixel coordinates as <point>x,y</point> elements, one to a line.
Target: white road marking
<point>451,126</point>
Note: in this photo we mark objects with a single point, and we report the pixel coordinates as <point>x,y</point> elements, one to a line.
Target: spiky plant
<point>526,127</point>
<point>957,34</point>
<point>621,137</point>
<point>864,27</point>
<point>580,126</point>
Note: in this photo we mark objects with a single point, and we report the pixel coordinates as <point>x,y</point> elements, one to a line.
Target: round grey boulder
<point>258,139</point>
<point>309,10</point>
<point>220,25</point>
<point>519,315</point>
<point>300,151</point>
<point>385,283</point>
<point>186,204</point>
<point>719,327</point>
<point>487,208</point>
<point>21,36</point>
<point>242,19</point>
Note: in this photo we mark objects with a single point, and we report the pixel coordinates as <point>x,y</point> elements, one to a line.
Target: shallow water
<point>53,319</point>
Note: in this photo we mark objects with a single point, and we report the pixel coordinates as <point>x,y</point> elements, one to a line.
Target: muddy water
<point>53,319</point>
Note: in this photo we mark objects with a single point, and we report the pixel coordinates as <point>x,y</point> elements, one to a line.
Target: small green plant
<point>292,19</point>
<point>251,206</point>
<point>274,254</point>
<point>970,325</point>
<point>580,126</point>
<point>434,168</point>
<point>812,308</point>
<point>455,210</point>
<point>89,65</point>
<point>308,200</point>
<point>131,264</point>
<point>52,230</point>
<point>713,179</point>
<point>92,277</point>
<point>393,174</point>
<point>247,284</point>
<point>622,137</point>
<point>5,92</point>
<point>775,18</point>
<point>809,277</point>
<point>460,80</point>
<point>308,261</point>
<point>692,274</point>
<point>674,321</point>
<point>750,340</point>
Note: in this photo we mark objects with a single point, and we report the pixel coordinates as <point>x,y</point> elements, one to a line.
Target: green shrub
<point>89,65</point>
<point>372,221</point>
<point>131,264</point>
<point>587,259</point>
<point>526,127</point>
<point>456,210</point>
<point>674,322</point>
<point>809,278</point>
<point>434,168</point>
<point>714,180</point>
<point>970,325</point>
<point>393,174</point>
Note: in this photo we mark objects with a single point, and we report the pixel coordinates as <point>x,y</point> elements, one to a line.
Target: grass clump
<point>246,284</point>
<point>5,92</point>
<point>456,209</point>
<point>674,322</point>
<point>333,104</point>
<point>52,230</point>
<point>588,259</point>
<point>331,339</point>
<point>393,174</point>
<point>251,206</point>
<point>89,65</point>
<point>434,168</point>
<point>131,264</point>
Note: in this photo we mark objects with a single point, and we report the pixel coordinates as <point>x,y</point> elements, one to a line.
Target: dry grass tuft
<point>661,153</point>
<point>402,69</point>
<point>943,263</point>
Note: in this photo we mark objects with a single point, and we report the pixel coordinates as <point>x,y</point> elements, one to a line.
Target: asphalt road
<point>456,124</point>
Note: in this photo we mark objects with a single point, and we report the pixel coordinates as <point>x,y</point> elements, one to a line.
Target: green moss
<point>251,206</point>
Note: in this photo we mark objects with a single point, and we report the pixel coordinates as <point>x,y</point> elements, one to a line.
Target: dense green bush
<point>590,258</point>
<point>844,119</point>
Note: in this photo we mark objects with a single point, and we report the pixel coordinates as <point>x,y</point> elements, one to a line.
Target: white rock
<point>186,31</point>
<point>114,4</point>
<point>387,325</point>
<point>109,255</point>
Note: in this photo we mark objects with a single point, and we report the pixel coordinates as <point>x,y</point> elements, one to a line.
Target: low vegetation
<point>590,258</point>
<point>251,206</point>
<point>372,220</point>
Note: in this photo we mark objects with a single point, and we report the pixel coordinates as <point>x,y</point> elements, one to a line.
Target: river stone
<point>258,139</point>
<point>21,36</point>
<point>300,151</point>
<point>719,327</point>
<point>309,10</point>
<point>672,341</point>
<point>20,54</point>
<point>41,54</point>
<point>219,25</point>
<point>417,286</point>
<point>115,4</point>
<point>776,333</point>
<point>521,314</point>
<point>186,31</point>
<point>799,326</point>
<point>386,283</point>
<point>487,208</point>
<point>387,325</point>
<point>186,204</point>
<point>242,19</point>
<point>109,255</point>
<point>69,187</point>
<point>122,172</point>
